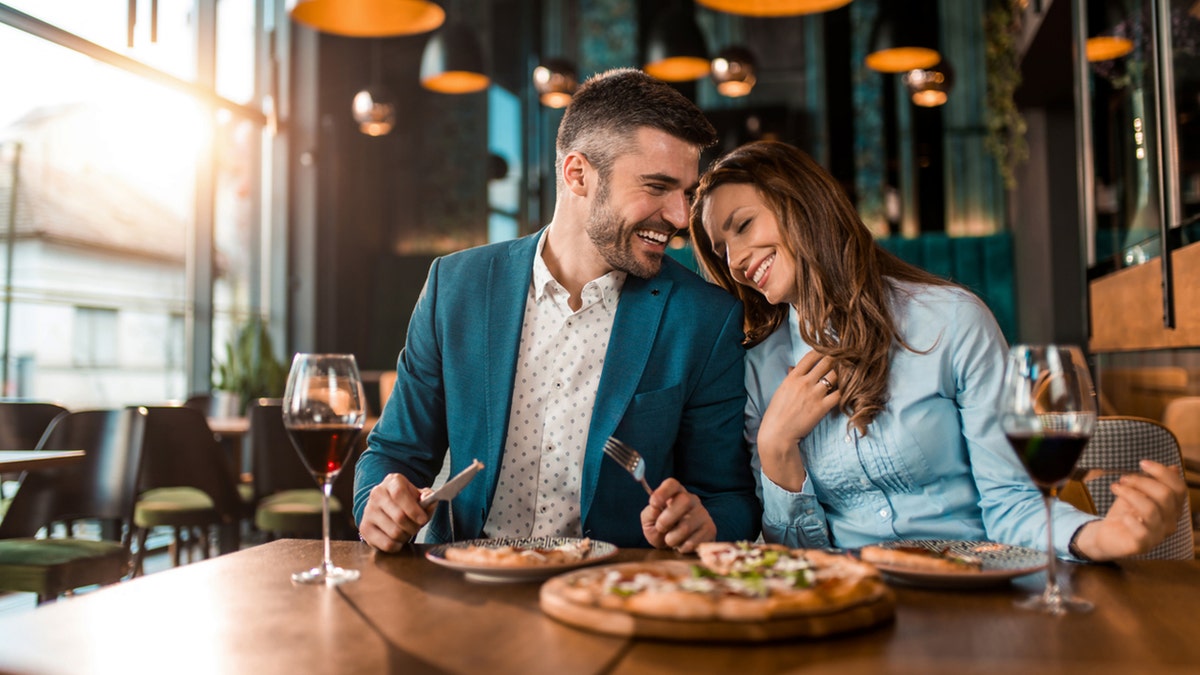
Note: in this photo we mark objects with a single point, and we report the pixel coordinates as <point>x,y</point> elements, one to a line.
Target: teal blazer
<point>672,387</point>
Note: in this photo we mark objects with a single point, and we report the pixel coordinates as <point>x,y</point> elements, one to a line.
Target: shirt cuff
<point>797,517</point>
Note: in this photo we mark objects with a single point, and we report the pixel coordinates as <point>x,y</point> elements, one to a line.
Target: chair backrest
<point>1182,417</point>
<point>22,423</point>
<point>277,465</point>
<point>1118,444</point>
<point>101,486</point>
<point>387,382</point>
<point>200,402</point>
<point>181,451</point>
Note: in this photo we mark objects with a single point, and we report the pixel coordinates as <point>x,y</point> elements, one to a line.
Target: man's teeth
<point>656,237</point>
<point>762,269</point>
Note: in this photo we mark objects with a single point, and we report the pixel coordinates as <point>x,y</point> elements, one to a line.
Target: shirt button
<point>865,483</point>
<point>883,513</point>
<point>849,440</point>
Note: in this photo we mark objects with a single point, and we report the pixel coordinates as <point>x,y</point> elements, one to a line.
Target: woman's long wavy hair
<point>844,296</point>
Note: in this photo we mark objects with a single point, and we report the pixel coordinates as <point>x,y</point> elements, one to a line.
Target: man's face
<point>644,202</point>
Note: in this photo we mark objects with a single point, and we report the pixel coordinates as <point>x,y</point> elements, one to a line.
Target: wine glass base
<point>330,576</point>
<point>1055,604</point>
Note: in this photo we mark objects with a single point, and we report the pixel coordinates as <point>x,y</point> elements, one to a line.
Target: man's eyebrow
<point>659,178</point>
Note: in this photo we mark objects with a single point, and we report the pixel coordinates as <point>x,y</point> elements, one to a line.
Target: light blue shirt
<point>934,463</point>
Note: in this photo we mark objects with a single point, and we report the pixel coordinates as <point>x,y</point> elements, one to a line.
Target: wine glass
<point>1048,412</point>
<point>323,411</point>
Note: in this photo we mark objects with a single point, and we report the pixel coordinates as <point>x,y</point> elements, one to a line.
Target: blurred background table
<point>24,460</point>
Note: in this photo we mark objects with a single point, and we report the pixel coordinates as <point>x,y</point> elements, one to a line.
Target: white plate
<point>1001,562</point>
<point>601,550</point>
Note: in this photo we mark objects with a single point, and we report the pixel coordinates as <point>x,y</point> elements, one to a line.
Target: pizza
<point>921,558</point>
<point>732,582</point>
<point>570,551</point>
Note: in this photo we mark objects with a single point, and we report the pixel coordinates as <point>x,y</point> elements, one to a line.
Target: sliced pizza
<point>921,558</point>
<point>733,582</point>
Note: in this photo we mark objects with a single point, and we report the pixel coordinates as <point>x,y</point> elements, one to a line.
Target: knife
<point>452,487</point>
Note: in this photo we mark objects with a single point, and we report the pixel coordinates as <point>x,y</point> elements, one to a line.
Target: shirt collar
<point>608,286</point>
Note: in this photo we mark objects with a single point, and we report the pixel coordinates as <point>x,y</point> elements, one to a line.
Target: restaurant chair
<point>387,382</point>
<point>1182,417</point>
<point>22,424</point>
<point>1118,444</point>
<point>101,487</point>
<point>287,498</point>
<point>187,484</point>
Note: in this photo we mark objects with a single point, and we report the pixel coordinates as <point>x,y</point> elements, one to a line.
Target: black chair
<point>187,484</point>
<point>286,496</point>
<point>22,424</point>
<point>100,487</point>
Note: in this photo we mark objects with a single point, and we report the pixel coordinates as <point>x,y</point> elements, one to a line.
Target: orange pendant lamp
<point>903,38</point>
<point>676,51</point>
<point>772,8</point>
<point>368,18</point>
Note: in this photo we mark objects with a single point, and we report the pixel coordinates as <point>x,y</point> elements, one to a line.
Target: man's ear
<point>578,174</point>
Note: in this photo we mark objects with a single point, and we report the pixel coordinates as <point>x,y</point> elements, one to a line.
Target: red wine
<point>1048,458</point>
<point>324,447</point>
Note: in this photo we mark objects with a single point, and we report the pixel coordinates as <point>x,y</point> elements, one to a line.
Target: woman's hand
<point>807,394</point>
<point>1145,513</point>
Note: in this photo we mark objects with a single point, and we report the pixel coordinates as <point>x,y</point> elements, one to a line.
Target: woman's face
<point>745,234</point>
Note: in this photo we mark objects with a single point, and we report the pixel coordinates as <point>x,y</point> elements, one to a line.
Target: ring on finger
<point>829,386</point>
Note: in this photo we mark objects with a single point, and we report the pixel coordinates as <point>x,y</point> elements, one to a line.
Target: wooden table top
<point>24,460</point>
<point>240,613</point>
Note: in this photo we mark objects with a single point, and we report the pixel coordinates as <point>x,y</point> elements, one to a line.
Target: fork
<point>629,459</point>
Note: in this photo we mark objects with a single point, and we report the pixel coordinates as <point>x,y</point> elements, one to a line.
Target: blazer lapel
<point>639,314</point>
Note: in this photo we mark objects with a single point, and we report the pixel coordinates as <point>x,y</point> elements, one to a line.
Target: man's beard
<point>614,241</point>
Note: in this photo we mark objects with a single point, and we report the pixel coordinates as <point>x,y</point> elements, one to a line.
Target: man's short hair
<point>610,107</point>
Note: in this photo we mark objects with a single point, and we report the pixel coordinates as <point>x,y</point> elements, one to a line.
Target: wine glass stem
<point>1052,594</point>
<point>326,490</point>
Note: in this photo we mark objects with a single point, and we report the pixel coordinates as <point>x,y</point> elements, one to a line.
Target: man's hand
<point>676,519</point>
<point>393,514</point>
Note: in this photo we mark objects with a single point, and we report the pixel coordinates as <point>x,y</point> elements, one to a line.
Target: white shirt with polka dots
<point>558,371</point>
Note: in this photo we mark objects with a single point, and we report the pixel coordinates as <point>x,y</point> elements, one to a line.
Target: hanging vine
<point>1006,126</point>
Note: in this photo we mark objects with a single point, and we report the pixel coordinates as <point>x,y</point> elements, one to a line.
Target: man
<point>529,354</point>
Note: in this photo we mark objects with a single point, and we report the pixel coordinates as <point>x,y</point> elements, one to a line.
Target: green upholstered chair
<point>22,424</point>
<point>287,499</point>
<point>100,488</point>
<point>187,484</point>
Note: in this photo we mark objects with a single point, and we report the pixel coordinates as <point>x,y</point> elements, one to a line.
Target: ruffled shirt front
<point>934,464</point>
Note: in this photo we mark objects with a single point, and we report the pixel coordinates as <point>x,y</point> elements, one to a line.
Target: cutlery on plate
<point>629,459</point>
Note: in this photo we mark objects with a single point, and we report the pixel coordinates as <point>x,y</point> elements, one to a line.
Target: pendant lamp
<point>374,107</point>
<point>1108,32</point>
<point>374,111</point>
<point>368,18</point>
<point>555,81</point>
<point>930,87</point>
<point>734,71</point>
<point>903,38</point>
<point>772,8</point>
<point>453,61</point>
<point>676,51</point>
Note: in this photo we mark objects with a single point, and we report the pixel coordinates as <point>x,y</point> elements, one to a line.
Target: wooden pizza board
<point>873,610</point>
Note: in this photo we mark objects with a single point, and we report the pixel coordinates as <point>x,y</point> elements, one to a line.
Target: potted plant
<point>250,369</point>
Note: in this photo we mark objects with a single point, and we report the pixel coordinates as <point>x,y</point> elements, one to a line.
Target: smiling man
<point>529,354</point>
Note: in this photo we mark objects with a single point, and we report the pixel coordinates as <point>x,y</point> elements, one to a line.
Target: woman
<point>873,385</point>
